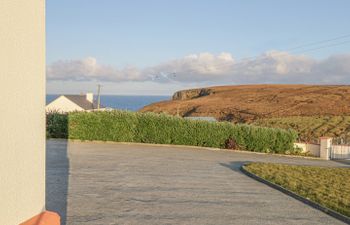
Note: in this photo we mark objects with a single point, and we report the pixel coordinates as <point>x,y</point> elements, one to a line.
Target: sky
<point>156,47</point>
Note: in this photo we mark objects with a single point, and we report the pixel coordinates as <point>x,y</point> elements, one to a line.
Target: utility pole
<point>98,96</point>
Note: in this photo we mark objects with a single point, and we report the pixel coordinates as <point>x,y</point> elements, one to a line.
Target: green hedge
<point>56,125</point>
<point>124,126</point>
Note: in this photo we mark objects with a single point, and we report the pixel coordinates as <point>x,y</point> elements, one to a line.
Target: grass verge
<point>329,187</point>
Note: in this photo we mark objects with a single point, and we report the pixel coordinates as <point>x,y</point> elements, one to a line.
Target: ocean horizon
<point>123,102</point>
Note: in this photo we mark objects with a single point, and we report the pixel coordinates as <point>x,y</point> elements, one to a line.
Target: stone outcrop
<point>191,94</point>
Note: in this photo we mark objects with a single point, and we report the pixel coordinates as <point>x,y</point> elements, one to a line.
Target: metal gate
<point>340,152</point>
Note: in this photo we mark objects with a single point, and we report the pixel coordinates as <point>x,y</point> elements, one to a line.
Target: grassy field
<point>329,187</point>
<point>310,128</point>
<point>245,103</point>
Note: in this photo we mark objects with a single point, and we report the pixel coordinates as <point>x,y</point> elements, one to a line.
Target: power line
<point>326,46</point>
<point>304,45</point>
<point>296,52</point>
<point>290,50</point>
<point>319,42</point>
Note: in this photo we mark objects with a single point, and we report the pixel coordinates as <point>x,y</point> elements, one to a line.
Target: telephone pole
<point>98,96</point>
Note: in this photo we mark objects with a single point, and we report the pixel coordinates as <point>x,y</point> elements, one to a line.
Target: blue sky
<point>156,35</point>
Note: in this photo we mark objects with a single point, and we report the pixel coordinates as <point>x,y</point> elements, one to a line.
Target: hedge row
<point>56,125</point>
<point>124,126</point>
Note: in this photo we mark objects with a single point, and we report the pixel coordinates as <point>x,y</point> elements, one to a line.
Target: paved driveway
<point>102,183</point>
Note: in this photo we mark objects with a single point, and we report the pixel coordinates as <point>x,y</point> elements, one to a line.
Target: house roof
<point>81,101</point>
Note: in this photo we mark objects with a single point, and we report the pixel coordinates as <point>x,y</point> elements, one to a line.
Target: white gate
<point>340,152</point>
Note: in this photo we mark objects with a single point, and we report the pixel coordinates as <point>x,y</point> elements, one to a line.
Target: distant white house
<point>70,103</point>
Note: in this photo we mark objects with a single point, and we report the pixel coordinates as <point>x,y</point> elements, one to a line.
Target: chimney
<point>90,97</point>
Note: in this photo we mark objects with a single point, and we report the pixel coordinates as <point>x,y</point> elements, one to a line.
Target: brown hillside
<point>249,102</point>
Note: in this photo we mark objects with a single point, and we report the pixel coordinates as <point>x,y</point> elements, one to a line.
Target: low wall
<point>325,150</point>
<point>312,149</point>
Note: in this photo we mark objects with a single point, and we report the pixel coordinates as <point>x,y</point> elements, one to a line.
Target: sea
<point>123,102</point>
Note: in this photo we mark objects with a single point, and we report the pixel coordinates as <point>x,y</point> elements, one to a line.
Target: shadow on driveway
<point>343,161</point>
<point>57,174</point>
<point>235,166</point>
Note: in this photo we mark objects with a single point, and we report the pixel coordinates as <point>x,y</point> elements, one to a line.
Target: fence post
<point>325,147</point>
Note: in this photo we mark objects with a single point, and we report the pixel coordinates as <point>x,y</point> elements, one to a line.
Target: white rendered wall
<point>63,104</point>
<point>22,110</point>
<point>90,97</point>
<point>325,147</point>
<point>312,149</point>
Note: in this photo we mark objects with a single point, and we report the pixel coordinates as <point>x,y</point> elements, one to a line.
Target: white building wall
<point>90,97</point>
<point>22,110</point>
<point>63,104</point>
<point>312,149</point>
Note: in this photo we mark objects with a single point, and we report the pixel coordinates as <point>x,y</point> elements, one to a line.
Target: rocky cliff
<point>191,94</point>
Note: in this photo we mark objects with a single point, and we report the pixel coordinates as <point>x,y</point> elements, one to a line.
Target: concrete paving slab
<point>109,183</point>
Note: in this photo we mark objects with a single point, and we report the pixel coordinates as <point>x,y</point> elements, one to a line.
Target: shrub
<point>124,126</point>
<point>231,144</point>
<point>56,125</point>
<point>105,126</point>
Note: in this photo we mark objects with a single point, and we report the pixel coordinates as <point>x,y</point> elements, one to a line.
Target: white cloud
<point>88,69</point>
<point>270,67</point>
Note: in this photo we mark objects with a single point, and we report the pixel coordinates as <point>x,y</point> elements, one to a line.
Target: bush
<point>56,125</point>
<point>105,126</point>
<point>231,144</point>
<point>124,126</point>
